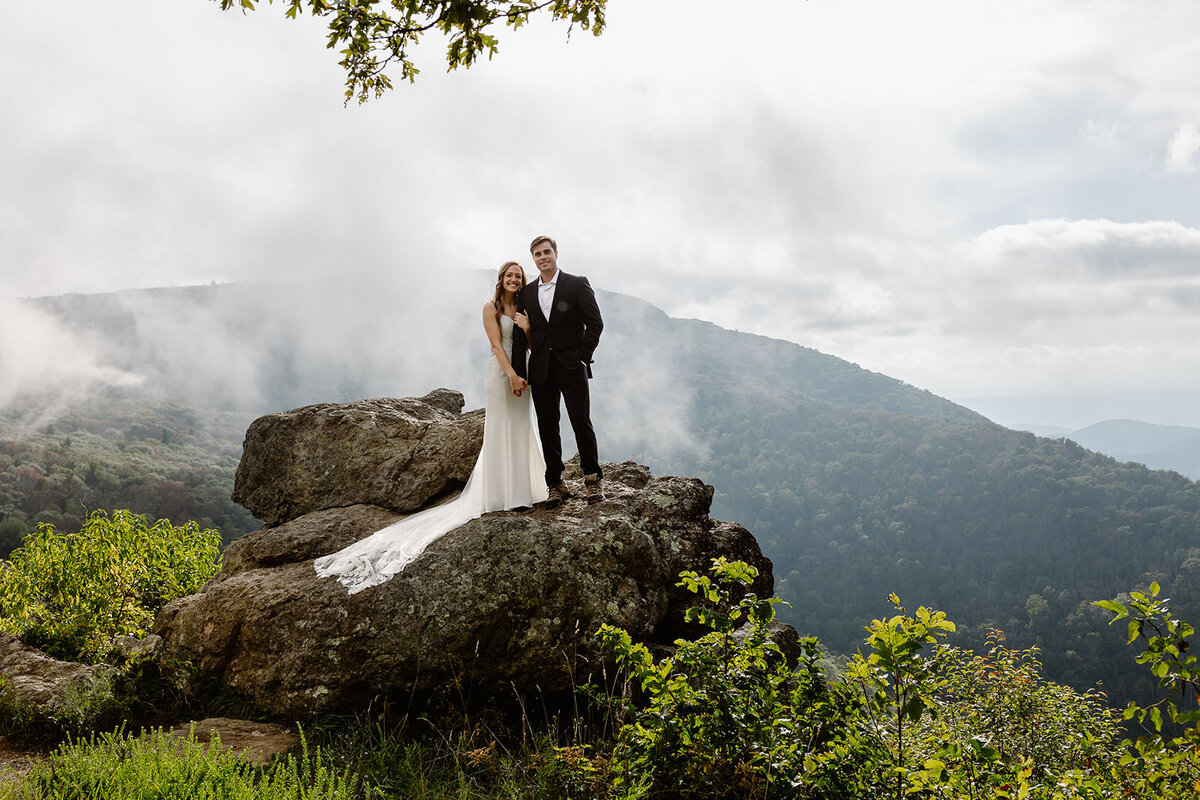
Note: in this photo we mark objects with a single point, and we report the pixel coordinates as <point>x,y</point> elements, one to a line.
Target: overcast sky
<point>979,198</point>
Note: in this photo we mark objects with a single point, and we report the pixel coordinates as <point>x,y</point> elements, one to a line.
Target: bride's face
<point>514,279</point>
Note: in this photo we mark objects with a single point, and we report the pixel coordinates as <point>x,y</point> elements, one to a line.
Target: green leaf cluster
<point>372,35</point>
<point>900,682</point>
<point>73,594</point>
<point>1161,763</point>
<point>911,718</point>
<point>999,722</point>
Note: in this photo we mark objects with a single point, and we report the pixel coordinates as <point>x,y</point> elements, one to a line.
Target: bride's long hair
<point>496,298</point>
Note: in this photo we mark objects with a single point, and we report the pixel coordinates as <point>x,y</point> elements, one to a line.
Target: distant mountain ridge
<point>1172,447</point>
<point>1073,412</point>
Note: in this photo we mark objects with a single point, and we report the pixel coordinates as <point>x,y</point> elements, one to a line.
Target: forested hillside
<point>1000,529</point>
<point>162,460</point>
<point>856,484</point>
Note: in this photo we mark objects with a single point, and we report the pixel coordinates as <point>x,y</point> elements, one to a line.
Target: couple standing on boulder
<point>543,334</point>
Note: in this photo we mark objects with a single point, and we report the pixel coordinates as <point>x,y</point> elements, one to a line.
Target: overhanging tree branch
<point>372,40</point>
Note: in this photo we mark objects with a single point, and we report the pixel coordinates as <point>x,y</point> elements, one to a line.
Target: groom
<point>564,329</point>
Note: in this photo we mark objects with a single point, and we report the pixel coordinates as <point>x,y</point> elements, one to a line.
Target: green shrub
<point>114,766</point>
<point>1002,699</point>
<point>999,728</point>
<point>900,680</point>
<point>72,594</point>
<point>725,716</point>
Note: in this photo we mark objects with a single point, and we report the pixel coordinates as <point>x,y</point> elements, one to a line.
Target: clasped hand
<point>518,385</point>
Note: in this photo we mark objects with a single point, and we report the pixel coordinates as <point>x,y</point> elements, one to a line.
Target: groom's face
<point>545,258</point>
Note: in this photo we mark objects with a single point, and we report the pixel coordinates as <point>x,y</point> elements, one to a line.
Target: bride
<point>509,473</point>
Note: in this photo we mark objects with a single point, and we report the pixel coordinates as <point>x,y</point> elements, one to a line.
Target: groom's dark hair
<point>540,239</point>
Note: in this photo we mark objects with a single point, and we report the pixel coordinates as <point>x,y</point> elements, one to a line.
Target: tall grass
<point>117,766</point>
<point>353,759</point>
<point>413,759</point>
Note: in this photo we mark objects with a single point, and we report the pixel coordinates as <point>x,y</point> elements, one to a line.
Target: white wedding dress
<point>509,473</point>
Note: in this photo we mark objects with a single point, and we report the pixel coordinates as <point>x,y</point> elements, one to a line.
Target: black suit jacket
<point>570,336</point>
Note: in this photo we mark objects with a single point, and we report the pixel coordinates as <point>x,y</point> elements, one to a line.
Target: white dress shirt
<point>546,295</point>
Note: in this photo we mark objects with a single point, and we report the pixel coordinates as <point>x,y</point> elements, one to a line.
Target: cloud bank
<point>44,367</point>
<point>991,197</point>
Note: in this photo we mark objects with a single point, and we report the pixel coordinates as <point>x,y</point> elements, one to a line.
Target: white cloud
<point>1050,305</point>
<point>1183,151</point>
<point>42,361</point>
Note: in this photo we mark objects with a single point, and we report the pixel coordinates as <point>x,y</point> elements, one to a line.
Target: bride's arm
<point>491,324</point>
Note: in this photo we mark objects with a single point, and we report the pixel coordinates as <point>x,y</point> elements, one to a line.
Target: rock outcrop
<point>43,683</point>
<point>392,453</point>
<point>511,598</point>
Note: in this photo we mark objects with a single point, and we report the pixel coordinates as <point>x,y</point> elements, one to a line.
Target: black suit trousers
<point>572,386</point>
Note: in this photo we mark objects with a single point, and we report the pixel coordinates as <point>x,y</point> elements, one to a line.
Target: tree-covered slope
<point>161,460</point>
<point>1000,529</point>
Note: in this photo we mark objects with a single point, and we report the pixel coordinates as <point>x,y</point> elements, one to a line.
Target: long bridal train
<point>509,473</point>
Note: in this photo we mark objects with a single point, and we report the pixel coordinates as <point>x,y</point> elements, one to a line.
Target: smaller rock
<point>131,647</point>
<point>258,743</point>
<point>44,682</point>
<point>784,637</point>
<point>304,538</point>
<point>395,453</point>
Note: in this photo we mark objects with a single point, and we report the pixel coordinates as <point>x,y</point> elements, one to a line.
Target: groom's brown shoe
<point>556,494</point>
<point>591,483</point>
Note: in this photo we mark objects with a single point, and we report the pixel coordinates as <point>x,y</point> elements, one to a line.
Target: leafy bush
<point>73,594</point>
<point>114,766</point>
<point>725,716</point>
<point>1002,701</point>
<point>900,684</point>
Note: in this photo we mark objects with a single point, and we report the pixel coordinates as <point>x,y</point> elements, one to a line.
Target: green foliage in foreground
<point>725,717</point>
<point>1000,698</point>
<point>1164,765</point>
<point>73,594</point>
<point>114,766</point>
<point>913,718</point>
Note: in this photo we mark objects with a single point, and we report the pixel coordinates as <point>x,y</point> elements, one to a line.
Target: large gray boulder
<point>389,452</point>
<point>511,598</point>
